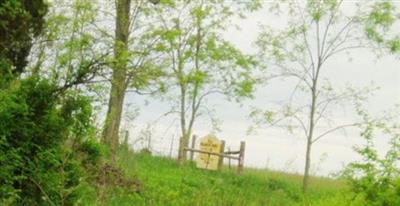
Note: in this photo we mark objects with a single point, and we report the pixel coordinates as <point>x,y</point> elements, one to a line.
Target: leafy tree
<point>316,32</point>
<point>20,22</point>
<point>67,51</point>
<point>200,62</point>
<point>132,65</point>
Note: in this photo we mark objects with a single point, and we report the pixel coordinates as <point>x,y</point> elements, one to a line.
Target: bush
<point>40,132</point>
<point>376,180</point>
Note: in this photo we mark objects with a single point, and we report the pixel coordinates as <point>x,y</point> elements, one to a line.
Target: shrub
<point>375,181</point>
<point>40,134</point>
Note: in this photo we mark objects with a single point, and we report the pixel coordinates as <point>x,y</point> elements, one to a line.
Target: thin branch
<point>338,35</point>
<point>310,54</point>
<point>333,130</point>
<point>298,85</point>
<point>344,49</point>
<point>329,25</point>
<point>42,190</point>
<point>302,124</point>
<point>84,77</point>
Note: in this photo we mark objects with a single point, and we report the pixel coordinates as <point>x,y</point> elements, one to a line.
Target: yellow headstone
<point>209,143</point>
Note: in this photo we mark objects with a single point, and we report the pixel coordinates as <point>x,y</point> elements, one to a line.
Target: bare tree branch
<point>333,130</point>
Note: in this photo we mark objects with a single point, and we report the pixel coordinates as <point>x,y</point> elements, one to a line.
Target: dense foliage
<point>47,146</point>
<point>20,22</point>
<point>45,143</point>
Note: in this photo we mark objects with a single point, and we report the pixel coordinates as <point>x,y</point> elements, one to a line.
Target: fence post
<point>221,159</point>
<point>171,147</point>
<point>241,157</point>
<point>194,137</point>
<point>180,151</point>
<point>229,159</point>
<point>126,138</point>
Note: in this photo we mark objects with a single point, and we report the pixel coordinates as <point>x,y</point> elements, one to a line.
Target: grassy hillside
<point>164,183</point>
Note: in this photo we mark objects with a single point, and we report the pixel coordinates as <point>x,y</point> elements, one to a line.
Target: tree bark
<point>119,77</point>
<point>184,142</point>
<point>306,178</point>
<point>309,144</point>
<point>310,136</point>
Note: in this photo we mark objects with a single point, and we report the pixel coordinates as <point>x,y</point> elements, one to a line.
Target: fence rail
<point>211,153</point>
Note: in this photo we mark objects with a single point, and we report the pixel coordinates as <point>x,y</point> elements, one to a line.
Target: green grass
<point>164,183</point>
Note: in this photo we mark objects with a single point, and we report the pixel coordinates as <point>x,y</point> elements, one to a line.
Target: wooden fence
<point>230,155</point>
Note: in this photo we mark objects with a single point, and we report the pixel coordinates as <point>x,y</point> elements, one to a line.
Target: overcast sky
<point>272,147</point>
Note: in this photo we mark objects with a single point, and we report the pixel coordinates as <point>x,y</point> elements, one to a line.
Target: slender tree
<point>316,32</point>
<point>201,63</point>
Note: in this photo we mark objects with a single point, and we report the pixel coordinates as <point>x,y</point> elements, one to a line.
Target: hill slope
<point>164,183</point>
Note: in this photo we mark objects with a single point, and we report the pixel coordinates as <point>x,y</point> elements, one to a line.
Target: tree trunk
<point>119,77</point>
<point>187,132</point>
<point>184,142</point>
<point>310,134</point>
<point>307,166</point>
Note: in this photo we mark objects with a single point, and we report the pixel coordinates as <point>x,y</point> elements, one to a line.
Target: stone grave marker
<point>209,143</point>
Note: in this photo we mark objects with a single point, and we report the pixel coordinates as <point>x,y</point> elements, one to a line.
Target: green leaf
<point>394,45</point>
